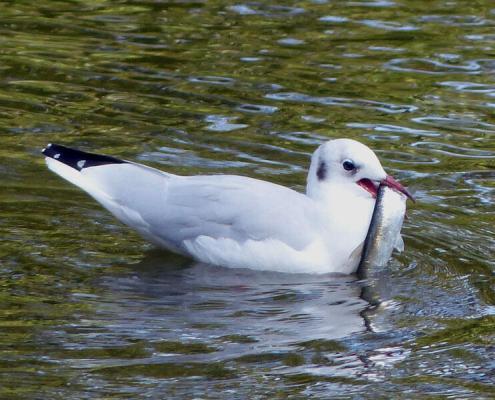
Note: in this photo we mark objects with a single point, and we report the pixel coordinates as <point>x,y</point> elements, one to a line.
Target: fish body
<point>384,231</point>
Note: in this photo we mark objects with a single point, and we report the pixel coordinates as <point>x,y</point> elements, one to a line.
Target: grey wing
<point>233,207</point>
<point>169,209</point>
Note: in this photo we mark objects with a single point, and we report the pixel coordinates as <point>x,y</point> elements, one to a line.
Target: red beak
<point>391,182</point>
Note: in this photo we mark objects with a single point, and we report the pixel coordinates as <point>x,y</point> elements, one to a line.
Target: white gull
<point>241,222</point>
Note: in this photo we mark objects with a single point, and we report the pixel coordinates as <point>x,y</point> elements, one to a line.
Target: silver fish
<point>384,231</point>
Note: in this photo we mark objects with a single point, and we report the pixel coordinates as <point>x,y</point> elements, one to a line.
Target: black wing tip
<point>77,159</point>
<point>52,149</point>
<point>46,149</point>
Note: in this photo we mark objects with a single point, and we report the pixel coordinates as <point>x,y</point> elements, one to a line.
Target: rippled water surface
<point>91,311</point>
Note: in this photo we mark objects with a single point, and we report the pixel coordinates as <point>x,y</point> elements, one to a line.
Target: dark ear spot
<point>321,172</point>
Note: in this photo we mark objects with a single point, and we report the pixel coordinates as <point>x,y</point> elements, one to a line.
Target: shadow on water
<point>167,318</point>
<point>276,309</point>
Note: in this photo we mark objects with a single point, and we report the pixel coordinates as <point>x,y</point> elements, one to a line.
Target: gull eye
<point>348,165</point>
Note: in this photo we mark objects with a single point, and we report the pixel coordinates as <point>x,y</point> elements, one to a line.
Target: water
<point>91,311</point>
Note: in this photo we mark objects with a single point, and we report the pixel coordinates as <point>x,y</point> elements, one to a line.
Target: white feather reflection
<point>166,298</point>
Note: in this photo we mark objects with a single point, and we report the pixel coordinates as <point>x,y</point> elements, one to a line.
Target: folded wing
<point>178,212</point>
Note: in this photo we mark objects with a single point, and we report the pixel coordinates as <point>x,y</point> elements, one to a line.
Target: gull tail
<point>70,163</point>
<point>77,159</point>
<point>131,192</point>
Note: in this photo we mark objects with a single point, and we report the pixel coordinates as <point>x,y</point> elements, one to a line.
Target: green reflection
<point>195,87</point>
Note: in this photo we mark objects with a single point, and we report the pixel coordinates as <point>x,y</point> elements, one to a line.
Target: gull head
<point>350,166</point>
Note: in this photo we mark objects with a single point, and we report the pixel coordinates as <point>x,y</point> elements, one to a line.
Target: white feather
<point>239,221</point>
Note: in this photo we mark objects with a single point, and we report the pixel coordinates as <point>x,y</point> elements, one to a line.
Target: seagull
<point>237,221</point>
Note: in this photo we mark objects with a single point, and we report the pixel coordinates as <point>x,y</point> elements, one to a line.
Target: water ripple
<point>385,48</point>
<point>266,10</point>
<point>457,123</point>
<point>401,157</point>
<point>257,108</point>
<point>388,25</point>
<point>334,19</point>
<point>432,67</point>
<point>481,37</point>
<point>221,123</point>
<point>455,20</point>
<point>469,87</point>
<point>167,156</point>
<point>290,41</point>
<point>402,130</point>
<point>372,3</point>
<point>212,80</point>
<point>308,138</point>
<point>342,102</point>
<point>455,151</point>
